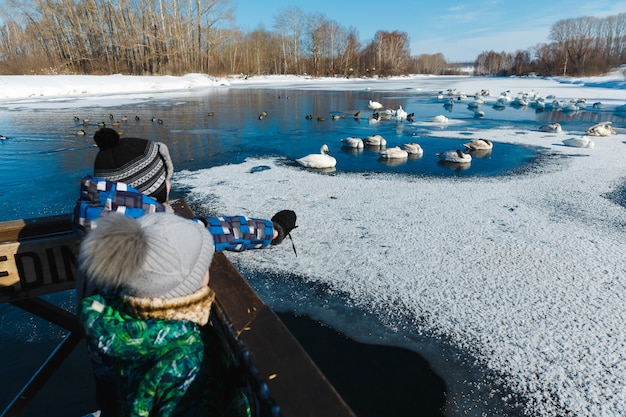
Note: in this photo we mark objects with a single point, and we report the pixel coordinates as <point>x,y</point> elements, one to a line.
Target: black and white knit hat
<point>159,255</point>
<point>140,163</point>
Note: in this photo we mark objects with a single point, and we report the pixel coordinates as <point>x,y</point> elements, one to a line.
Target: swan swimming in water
<point>375,140</point>
<point>456,156</point>
<point>413,149</point>
<point>580,142</point>
<point>400,114</point>
<point>352,143</point>
<point>374,105</point>
<point>601,129</point>
<point>478,144</point>
<point>318,160</point>
<point>394,153</point>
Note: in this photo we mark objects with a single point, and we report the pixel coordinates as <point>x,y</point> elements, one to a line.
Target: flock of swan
<point>323,160</point>
<point>457,156</point>
<point>602,129</point>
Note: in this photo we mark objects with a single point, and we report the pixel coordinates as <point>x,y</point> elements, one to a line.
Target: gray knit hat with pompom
<point>158,255</point>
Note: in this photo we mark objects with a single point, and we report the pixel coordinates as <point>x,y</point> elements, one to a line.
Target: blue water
<point>43,160</point>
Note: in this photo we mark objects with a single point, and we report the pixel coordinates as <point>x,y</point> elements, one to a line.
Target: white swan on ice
<point>551,128</point>
<point>318,160</point>
<point>456,156</point>
<point>439,119</point>
<point>579,142</point>
<point>601,129</point>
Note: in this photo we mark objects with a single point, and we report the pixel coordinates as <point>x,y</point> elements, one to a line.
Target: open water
<point>44,158</point>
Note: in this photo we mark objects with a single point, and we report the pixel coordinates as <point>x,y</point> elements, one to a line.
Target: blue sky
<point>461,30</point>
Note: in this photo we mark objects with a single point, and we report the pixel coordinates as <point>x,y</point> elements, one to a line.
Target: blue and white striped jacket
<point>99,196</point>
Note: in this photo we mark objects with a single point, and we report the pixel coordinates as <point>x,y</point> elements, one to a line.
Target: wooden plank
<point>293,379</point>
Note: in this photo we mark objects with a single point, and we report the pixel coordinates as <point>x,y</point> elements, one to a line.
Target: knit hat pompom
<point>114,251</point>
<point>106,138</point>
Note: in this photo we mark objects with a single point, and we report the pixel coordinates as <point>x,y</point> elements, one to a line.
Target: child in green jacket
<point>145,329</point>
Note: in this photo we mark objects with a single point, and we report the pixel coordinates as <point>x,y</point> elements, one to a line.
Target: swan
<point>352,143</point>
<point>580,142</point>
<point>401,114</point>
<point>569,108</point>
<point>601,129</point>
<point>479,114</point>
<point>374,105</point>
<point>439,119</point>
<point>375,140</point>
<point>551,128</point>
<point>413,149</point>
<point>394,153</point>
<point>318,160</point>
<point>456,156</point>
<point>478,144</point>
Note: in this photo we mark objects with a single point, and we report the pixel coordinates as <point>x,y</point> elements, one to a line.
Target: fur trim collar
<point>195,307</point>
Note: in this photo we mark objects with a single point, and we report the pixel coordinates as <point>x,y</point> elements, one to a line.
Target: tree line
<point>581,46</point>
<point>174,37</point>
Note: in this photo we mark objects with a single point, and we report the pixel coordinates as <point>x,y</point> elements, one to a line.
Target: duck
<point>439,119</point>
<point>478,144</point>
<point>352,142</point>
<point>579,142</point>
<point>262,115</point>
<point>210,114</point>
<point>551,128</point>
<point>2,137</point>
<point>309,117</point>
<point>394,153</point>
<point>601,129</point>
<point>318,160</point>
<point>81,132</point>
<point>357,114</point>
<point>413,149</point>
<point>456,156</point>
<point>375,140</point>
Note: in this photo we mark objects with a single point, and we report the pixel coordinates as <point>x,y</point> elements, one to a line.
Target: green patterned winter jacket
<point>159,367</point>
